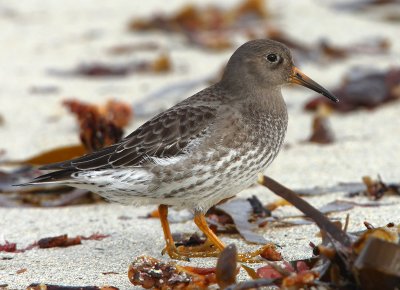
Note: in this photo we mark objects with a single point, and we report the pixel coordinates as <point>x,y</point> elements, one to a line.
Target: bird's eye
<point>272,57</point>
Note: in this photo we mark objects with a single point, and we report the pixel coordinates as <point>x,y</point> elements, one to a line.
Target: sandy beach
<point>39,37</point>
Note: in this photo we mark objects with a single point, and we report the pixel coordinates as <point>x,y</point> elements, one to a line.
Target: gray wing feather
<point>166,135</point>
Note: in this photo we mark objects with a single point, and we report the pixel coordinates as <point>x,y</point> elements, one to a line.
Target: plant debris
<point>59,241</point>
<point>345,261</point>
<point>387,233</point>
<point>276,204</point>
<point>340,187</point>
<point>51,156</point>
<point>215,28</point>
<point>161,64</point>
<point>376,189</point>
<point>270,253</point>
<point>37,286</point>
<point>363,4</point>
<point>52,242</point>
<point>8,247</point>
<point>188,240</point>
<point>44,90</point>
<point>369,46</point>
<point>100,126</point>
<point>148,272</point>
<point>240,211</point>
<point>336,206</point>
<point>342,261</point>
<point>321,129</point>
<point>110,273</point>
<point>227,267</point>
<point>363,89</point>
<point>209,27</point>
<point>20,271</point>
<point>376,267</point>
<point>258,209</point>
<point>325,51</point>
<point>123,49</point>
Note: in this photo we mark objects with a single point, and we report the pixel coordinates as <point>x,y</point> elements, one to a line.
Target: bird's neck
<point>267,99</point>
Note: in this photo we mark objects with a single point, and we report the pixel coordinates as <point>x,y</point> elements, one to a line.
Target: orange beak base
<point>300,78</point>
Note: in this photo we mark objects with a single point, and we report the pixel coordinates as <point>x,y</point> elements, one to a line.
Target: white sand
<point>37,36</point>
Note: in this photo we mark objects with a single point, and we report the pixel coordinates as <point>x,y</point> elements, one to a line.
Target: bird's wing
<point>166,135</point>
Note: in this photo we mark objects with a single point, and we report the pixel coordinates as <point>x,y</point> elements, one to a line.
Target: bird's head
<point>267,64</point>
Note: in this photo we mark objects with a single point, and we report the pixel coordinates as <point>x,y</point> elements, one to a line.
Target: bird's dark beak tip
<point>301,79</point>
<point>332,98</point>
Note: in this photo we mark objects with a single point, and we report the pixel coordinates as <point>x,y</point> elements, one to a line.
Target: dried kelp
<point>259,210</point>
<point>370,46</point>
<point>345,261</point>
<point>8,247</point>
<point>227,270</point>
<point>100,126</point>
<point>294,274</point>
<point>51,242</point>
<point>44,90</point>
<point>342,261</point>
<point>322,132</point>
<point>215,28</point>
<point>286,275</point>
<point>37,286</point>
<point>161,64</point>
<point>210,27</point>
<point>128,48</point>
<point>323,50</point>
<point>331,207</point>
<point>51,156</point>
<point>148,272</point>
<point>240,211</point>
<point>340,187</point>
<point>59,241</point>
<point>363,4</point>
<point>188,240</point>
<point>376,189</point>
<point>377,265</point>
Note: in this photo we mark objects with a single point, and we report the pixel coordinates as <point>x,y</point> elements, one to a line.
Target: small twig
<point>346,224</point>
<point>321,220</point>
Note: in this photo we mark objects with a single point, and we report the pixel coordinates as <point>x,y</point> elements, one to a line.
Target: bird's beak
<point>300,78</point>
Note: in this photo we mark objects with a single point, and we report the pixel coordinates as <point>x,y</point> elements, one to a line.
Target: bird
<point>207,148</point>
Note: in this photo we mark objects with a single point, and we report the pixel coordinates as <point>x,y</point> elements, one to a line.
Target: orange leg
<point>201,223</point>
<point>250,257</point>
<point>163,212</point>
<point>181,253</point>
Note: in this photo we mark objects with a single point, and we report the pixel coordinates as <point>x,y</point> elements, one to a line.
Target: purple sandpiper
<point>204,149</point>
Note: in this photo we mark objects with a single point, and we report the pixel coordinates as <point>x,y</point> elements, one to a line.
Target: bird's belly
<point>196,183</point>
<point>204,184</point>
